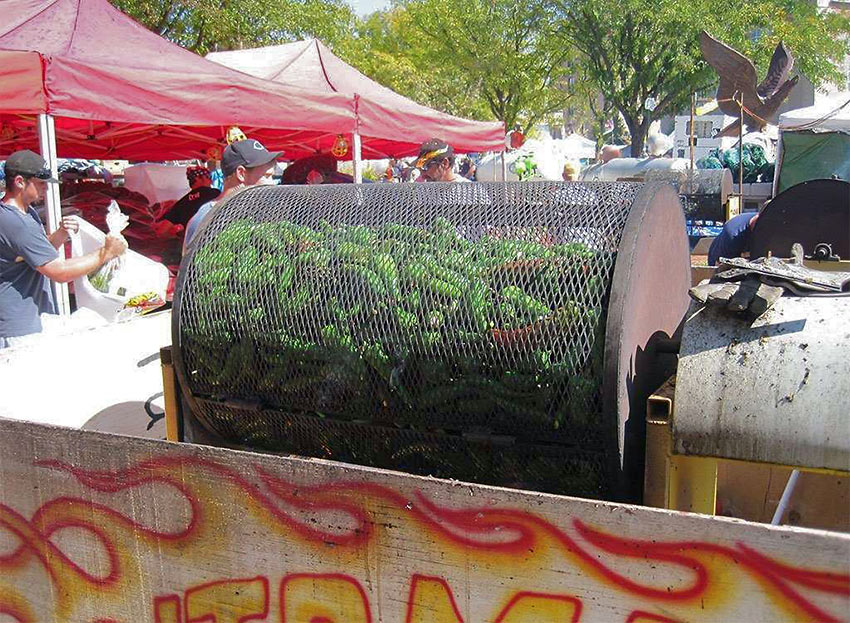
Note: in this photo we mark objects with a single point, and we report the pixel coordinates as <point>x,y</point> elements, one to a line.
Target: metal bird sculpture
<point>739,80</point>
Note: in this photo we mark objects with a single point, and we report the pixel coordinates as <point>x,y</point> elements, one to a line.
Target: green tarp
<point>812,156</point>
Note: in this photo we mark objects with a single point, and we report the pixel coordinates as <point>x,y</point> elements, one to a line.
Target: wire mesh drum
<point>703,192</point>
<point>454,330</point>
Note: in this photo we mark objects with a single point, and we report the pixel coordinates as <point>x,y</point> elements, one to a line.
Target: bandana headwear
<point>193,173</point>
<point>425,158</point>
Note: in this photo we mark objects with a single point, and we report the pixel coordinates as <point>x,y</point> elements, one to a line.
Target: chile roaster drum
<point>811,213</point>
<point>494,333</point>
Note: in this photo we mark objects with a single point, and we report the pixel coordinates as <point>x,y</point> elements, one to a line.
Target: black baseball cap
<point>29,164</point>
<point>249,153</point>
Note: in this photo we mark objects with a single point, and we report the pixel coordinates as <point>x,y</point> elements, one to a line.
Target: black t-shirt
<point>188,204</point>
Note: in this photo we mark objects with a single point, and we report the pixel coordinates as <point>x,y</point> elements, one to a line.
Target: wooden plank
<point>702,246</point>
<point>98,527</point>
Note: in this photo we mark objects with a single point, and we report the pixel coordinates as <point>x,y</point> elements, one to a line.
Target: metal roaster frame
<point>646,308</point>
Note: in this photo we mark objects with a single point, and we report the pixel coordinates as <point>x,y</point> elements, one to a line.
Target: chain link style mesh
<point>455,330</point>
<point>701,192</point>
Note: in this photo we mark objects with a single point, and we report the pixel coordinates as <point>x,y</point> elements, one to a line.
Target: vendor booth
<point>81,79</point>
<point>117,90</point>
<point>814,143</point>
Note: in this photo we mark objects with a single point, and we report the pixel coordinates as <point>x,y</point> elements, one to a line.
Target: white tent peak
<point>389,123</point>
<point>828,115</point>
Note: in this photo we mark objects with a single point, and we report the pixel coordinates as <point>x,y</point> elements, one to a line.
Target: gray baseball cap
<point>29,164</point>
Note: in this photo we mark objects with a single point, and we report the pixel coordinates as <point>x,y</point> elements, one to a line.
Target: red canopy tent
<point>80,78</point>
<point>117,90</point>
<point>389,124</point>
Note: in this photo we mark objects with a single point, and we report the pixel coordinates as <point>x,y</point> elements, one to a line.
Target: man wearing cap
<point>243,163</point>
<point>28,257</point>
<point>436,161</point>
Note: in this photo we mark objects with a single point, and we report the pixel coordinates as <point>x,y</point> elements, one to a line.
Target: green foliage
<point>521,61</point>
<point>209,25</point>
<point>634,50</point>
<point>480,58</point>
<point>385,48</point>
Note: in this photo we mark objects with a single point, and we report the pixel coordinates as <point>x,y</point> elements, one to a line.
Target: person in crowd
<point>436,162</point>
<point>393,171</point>
<point>216,178</point>
<point>200,192</point>
<point>570,172</point>
<point>409,172</point>
<point>243,163</point>
<point>609,152</point>
<point>29,258</point>
<point>467,169</point>
<point>314,178</point>
<point>735,238</point>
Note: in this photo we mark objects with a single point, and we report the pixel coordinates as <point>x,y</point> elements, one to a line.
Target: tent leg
<point>357,158</point>
<point>504,169</point>
<point>47,143</point>
<point>777,168</point>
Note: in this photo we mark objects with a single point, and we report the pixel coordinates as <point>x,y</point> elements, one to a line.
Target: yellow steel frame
<point>684,483</point>
<point>680,482</point>
<point>170,395</point>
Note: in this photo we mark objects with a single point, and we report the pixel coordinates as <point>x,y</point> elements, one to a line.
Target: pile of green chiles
<point>418,327</point>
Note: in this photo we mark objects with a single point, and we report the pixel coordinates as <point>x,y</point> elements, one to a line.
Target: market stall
<point>814,143</point>
<point>81,79</point>
<point>117,90</point>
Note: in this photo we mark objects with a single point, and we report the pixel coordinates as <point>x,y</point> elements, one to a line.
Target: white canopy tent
<point>577,147</point>
<point>548,154</point>
<point>831,114</point>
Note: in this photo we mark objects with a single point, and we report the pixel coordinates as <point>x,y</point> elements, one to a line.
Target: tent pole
<point>504,169</point>
<point>47,143</point>
<point>357,158</point>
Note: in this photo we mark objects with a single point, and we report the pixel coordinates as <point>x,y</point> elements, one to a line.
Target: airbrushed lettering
<point>339,598</point>
<point>233,542</point>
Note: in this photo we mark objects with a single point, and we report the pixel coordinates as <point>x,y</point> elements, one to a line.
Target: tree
<point>480,58</point>
<point>209,25</point>
<point>381,48</point>
<point>637,51</point>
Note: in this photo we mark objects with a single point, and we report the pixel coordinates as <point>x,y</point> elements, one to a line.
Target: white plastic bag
<point>123,287</point>
<point>103,279</point>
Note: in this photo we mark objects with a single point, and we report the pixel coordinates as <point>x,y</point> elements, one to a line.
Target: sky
<point>364,7</point>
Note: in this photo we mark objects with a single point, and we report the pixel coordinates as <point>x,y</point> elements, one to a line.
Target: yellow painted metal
<point>692,484</point>
<point>671,481</point>
<point>828,265</point>
<point>659,447</point>
<point>812,470</point>
<point>169,391</point>
<point>733,206</point>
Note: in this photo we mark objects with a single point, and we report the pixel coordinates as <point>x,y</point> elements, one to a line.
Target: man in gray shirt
<point>28,257</point>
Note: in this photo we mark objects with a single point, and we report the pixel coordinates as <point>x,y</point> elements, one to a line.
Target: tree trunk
<point>637,132</point>
<point>601,120</point>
